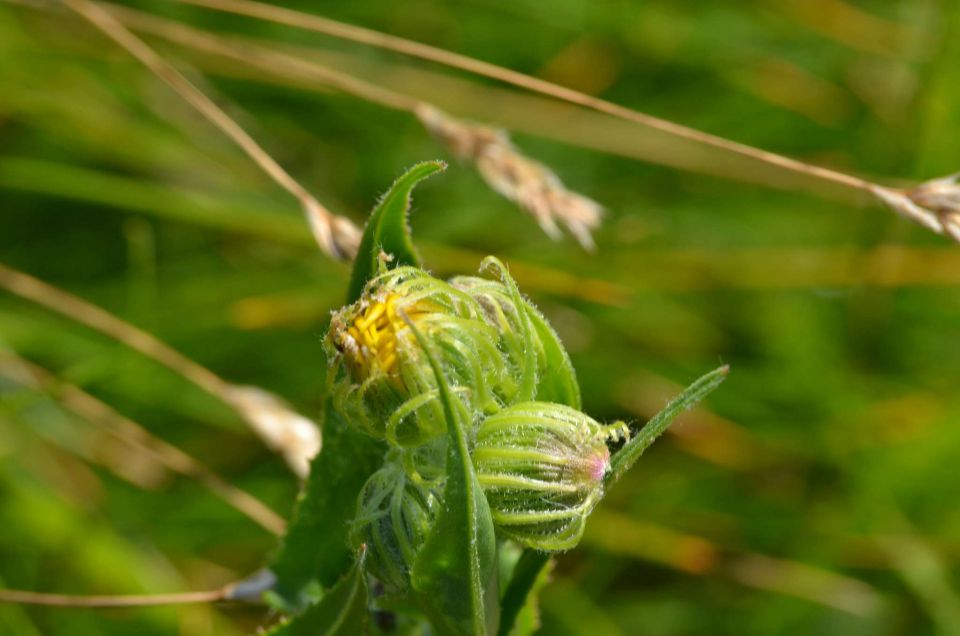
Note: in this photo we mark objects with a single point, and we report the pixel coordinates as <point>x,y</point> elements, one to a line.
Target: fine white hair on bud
<point>541,466</point>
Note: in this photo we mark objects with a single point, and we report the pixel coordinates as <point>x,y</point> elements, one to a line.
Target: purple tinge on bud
<point>598,464</point>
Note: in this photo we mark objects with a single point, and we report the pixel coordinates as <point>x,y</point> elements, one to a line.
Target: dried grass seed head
<point>517,177</point>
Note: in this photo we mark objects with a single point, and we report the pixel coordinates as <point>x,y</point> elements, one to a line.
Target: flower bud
<point>380,379</point>
<point>541,466</point>
<point>394,515</point>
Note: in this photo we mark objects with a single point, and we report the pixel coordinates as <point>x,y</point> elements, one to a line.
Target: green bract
<point>394,515</point>
<point>542,467</point>
<point>539,365</point>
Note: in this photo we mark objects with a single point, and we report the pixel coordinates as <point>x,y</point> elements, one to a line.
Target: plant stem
<point>627,456</point>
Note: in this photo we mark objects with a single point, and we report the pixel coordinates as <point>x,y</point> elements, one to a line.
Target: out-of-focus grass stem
<point>287,432</point>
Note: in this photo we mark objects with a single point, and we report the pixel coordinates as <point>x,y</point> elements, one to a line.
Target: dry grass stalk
<point>337,236</point>
<point>284,430</point>
<point>525,181</point>
<point>528,183</point>
<point>334,28</point>
<point>933,204</point>
<point>942,197</point>
<point>135,437</point>
<point>292,435</point>
<point>24,597</point>
<point>248,589</point>
<point>910,204</point>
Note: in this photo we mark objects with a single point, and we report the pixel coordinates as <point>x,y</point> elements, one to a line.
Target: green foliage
<point>840,322</point>
<point>314,553</point>
<point>520,595</point>
<point>558,380</point>
<point>394,515</point>
<point>387,231</point>
<point>527,388</point>
<point>342,611</point>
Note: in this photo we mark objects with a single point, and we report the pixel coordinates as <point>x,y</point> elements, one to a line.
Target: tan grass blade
<point>137,438</point>
<point>948,224</point>
<point>336,235</point>
<point>285,431</point>
<point>517,177</point>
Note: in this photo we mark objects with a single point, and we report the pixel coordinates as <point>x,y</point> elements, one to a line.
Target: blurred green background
<point>817,491</point>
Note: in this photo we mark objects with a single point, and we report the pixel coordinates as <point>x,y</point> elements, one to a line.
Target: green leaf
<point>341,612</point>
<point>518,607</point>
<point>632,450</point>
<point>314,553</point>
<point>558,380</point>
<point>455,574</point>
<point>387,230</point>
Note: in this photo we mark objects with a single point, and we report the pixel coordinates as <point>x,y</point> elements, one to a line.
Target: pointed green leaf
<point>341,612</point>
<point>387,230</point>
<point>314,553</point>
<point>455,574</point>
<point>632,450</point>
